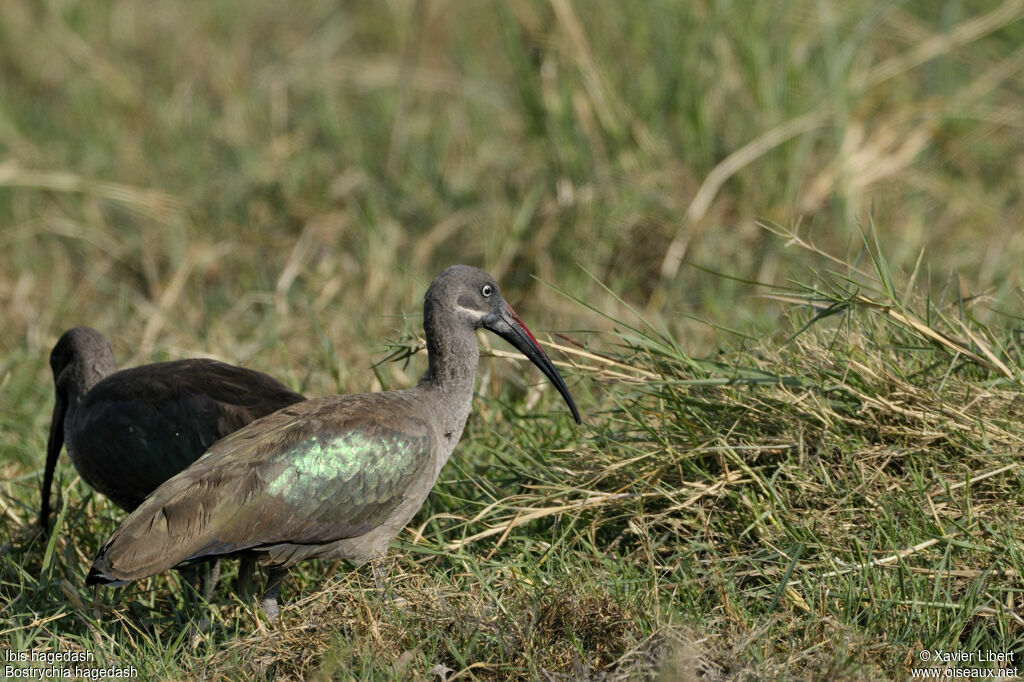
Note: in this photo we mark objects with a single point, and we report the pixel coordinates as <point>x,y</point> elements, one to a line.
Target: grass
<point>776,249</point>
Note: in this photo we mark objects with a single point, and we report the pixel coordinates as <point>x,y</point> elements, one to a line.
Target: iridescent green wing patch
<point>331,486</point>
<point>362,467</point>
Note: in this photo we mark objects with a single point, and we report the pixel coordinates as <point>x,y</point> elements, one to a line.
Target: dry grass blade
<point>155,204</point>
<point>727,168</point>
<point>595,85</point>
<point>987,359</point>
<point>978,478</point>
<point>962,34</point>
<point>516,516</point>
<point>884,561</point>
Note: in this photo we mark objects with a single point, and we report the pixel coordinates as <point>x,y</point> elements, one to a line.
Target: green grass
<point>776,247</point>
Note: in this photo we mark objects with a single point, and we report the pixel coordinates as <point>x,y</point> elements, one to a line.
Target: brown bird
<point>334,477</point>
<point>127,432</point>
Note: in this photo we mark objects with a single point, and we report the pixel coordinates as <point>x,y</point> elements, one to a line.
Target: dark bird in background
<point>128,431</point>
<point>335,477</point>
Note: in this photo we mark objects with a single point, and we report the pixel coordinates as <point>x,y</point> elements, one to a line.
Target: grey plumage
<point>334,477</point>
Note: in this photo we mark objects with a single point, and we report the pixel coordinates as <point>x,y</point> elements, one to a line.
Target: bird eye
<point>487,290</point>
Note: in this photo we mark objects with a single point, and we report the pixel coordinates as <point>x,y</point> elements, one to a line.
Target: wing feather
<point>312,473</point>
<point>138,427</point>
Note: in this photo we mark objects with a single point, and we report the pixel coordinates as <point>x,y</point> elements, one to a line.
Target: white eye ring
<point>487,290</point>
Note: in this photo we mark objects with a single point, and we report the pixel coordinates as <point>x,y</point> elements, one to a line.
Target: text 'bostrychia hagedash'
<point>334,477</point>
<point>128,431</point>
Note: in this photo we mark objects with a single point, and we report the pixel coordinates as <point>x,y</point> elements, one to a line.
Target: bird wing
<point>236,395</point>
<point>316,472</point>
<point>141,426</point>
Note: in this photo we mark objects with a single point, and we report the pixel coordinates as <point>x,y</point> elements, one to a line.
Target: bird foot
<point>199,631</point>
<point>268,602</point>
<point>381,568</point>
<point>270,608</point>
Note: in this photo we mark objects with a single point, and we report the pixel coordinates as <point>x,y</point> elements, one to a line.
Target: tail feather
<point>99,574</point>
<point>97,577</point>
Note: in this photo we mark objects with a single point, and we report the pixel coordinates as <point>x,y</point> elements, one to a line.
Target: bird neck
<point>452,354</point>
<point>82,374</point>
<point>452,357</point>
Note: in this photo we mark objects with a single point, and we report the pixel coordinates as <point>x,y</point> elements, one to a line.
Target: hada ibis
<point>335,477</point>
<point>128,431</point>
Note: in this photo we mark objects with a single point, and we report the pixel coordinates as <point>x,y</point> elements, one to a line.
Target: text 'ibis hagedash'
<point>334,477</point>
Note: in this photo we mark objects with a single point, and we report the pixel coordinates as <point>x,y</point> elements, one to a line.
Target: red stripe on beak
<point>521,325</point>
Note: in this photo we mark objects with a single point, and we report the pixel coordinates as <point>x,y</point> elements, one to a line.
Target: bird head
<point>475,299</point>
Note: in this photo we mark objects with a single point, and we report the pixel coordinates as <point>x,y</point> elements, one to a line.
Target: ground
<point>774,247</point>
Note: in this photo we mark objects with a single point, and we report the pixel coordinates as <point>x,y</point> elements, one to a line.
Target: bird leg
<point>381,569</point>
<point>191,578</point>
<point>268,602</point>
<point>244,583</point>
<point>212,578</point>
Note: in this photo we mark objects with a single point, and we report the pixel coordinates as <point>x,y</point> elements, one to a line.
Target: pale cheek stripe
<point>477,314</point>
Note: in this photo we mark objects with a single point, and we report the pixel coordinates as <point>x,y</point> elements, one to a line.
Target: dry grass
<point>805,468</point>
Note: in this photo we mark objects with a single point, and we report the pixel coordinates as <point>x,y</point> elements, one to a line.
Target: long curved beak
<point>506,324</point>
<point>53,446</point>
